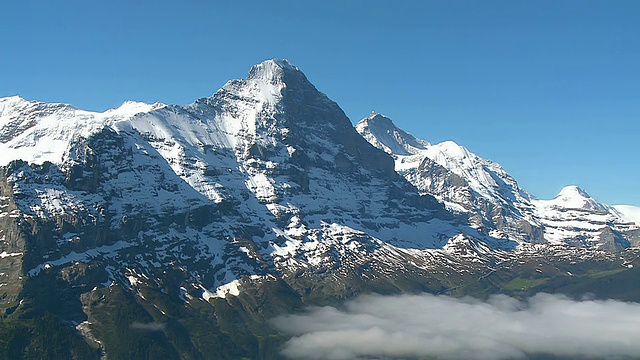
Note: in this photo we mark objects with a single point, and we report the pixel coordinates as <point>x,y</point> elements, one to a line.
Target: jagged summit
<point>276,72</point>
<point>382,133</point>
<point>377,119</point>
<point>269,82</point>
<point>271,68</point>
<point>270,95</point>
<point>484,176</point>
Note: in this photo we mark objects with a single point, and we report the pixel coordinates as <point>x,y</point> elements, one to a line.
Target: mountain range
<point>168,231</point>
<point>495,204</point>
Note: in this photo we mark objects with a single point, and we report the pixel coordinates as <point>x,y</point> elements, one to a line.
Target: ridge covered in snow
<point>459,178</point>
<point>380,131</point>
<point>36,132</point>
<point>492,198</point>
<point>484,176</point>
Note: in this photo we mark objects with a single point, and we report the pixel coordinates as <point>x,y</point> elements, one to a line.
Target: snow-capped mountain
<point>495,204</point>
<point>37,132</point>
<point>264,178</point>
<point>182,229</point>
<point>574,217</point>
<point>460,179</point>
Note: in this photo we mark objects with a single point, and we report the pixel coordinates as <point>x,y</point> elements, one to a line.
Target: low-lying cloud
<point>152,326</point>
<point>425,325</point>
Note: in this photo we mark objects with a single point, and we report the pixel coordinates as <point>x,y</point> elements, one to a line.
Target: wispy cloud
<point>152,326</point>
<point>449,328</point>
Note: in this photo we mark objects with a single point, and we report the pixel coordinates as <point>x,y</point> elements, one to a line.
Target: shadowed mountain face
<point>150,222</point>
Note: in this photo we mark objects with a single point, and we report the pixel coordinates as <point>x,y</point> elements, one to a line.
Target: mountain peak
<point>573,197</point>
<point>14,98</point>
<point>130,107</point>
<point>281,63</point>
<point>375,116</point>
<point>382,133</point>
<point>272,69</point>
<point>268,81</point>
<point>573,192</point>
<point>11,102</point>
<point>378,120</point>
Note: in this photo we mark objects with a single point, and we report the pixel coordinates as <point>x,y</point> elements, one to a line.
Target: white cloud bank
<point>448,328</point>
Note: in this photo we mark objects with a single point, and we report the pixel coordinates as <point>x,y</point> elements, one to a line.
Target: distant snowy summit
<point>574,217</point>
<point>492,198</point>
<point>573,197</point>
<point>463,181</point>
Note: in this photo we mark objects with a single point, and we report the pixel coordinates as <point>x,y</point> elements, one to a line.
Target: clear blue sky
<point>549,89</point>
